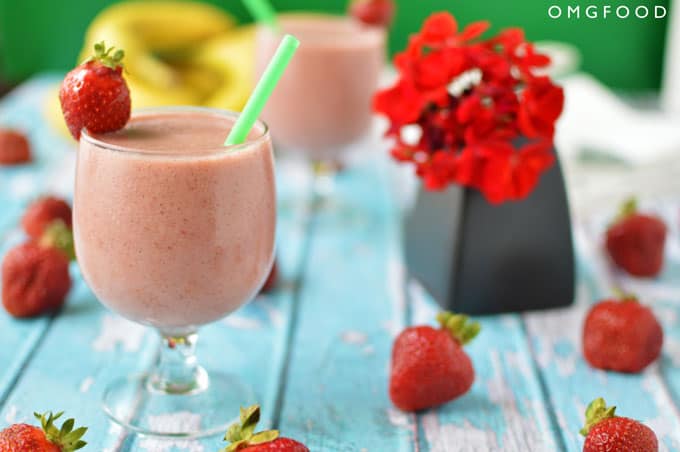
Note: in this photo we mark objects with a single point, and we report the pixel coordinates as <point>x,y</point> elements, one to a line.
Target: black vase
<point>478,258</point>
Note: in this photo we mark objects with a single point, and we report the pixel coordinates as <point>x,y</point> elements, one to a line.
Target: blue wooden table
<point>317,350</point>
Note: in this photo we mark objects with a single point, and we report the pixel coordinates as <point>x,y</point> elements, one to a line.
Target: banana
<point>164,25</point>
<point>232,57</point>
<point>148,30</point>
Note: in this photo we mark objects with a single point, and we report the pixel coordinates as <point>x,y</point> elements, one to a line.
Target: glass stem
<point>177,370</point>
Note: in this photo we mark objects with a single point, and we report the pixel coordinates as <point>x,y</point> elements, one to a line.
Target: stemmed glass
<point>322,104</point>
<point>175,234</point>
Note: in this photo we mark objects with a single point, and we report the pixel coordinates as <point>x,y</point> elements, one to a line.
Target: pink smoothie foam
<point>172,229</point>
<point>323,101</point>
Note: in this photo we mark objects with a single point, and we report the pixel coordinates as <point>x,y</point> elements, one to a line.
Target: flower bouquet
<point>490,231</point>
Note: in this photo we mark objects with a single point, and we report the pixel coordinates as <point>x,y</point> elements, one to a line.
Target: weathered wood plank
<point>572,384</point>
<point>18,185</point>
<point>253,341</point>
<point>86,346</point>
<point>506,409</point>
<point>351,303</point>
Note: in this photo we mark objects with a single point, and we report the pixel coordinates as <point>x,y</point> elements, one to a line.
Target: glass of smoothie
<point>174,230</point>
<point>322,104</point>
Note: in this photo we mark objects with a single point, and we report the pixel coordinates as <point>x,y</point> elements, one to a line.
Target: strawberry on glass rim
<point>373,12</point>
<point>95,95</point>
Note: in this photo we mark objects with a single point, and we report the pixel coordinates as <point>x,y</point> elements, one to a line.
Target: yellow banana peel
<point>232,57</point>
<point>176,53</point>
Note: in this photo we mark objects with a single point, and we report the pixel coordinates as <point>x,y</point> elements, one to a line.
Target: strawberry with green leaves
<point>49,438</point>
<point>429,365</point>
<point>243,438</point>
<point>35,280</point>
<point>42,212</point>
<point>606,432</point>
<point>635,241</point>
<point>95,95</point>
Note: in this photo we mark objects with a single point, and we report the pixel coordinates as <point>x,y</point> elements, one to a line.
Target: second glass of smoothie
<point>322,104</point>
<point>174,230</point>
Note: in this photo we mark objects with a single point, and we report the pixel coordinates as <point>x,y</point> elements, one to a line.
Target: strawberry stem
<point>58,235</point>
<point>104,56</point>
<point>624,296</point>
<point>459,326</point>
<point>241,434</point>
<point>628,208</point>
<point>597,412</point>
<point>67,439</point>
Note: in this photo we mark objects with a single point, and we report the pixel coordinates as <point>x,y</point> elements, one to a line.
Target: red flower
<point>403,152</point>
<point>438,28</point>
<point>472,99</point>
<point>438,171</point>
<point>509,40</point>
<point>438,67</point>
<point>402,103</point>
<point>540,107</point>
<point>510,174</point>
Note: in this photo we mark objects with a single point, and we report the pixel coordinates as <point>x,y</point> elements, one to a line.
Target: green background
<point>37,35</point>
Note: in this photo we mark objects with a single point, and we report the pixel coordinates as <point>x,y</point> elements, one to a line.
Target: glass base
<point>207,409</point>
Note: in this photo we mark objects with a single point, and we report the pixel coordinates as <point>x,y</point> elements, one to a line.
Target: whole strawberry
<point>606,432</point>
<point>35,280</point>
<point>42,212</point>
<point>95,95</point>
<point>14,147</point>
<point>373,12</point>
<point>429,365</point>
<point>635,241</point>
<point>621,335</point>
<point>242,437</point>
<point>49,438</point>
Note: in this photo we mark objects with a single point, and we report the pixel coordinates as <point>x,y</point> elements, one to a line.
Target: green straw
<point>263,12</point>
<point>263,90</point>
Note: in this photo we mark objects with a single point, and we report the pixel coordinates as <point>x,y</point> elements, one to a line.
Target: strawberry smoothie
<point>171,228</point>
<point>323,101</point>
